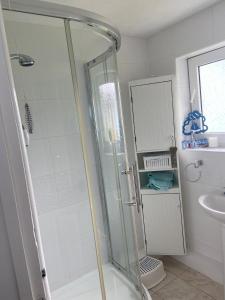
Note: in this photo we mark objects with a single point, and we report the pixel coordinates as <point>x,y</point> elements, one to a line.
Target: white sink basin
<point>214,205</point>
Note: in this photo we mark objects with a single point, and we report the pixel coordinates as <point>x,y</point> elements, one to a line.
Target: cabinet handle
<point>172,140</point>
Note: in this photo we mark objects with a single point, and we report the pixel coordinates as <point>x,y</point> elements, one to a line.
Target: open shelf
<point>206,149</point>
<point>153,151</point>
<point>144,173</point>
<point>173,190</point>
<point>158,170</point>
<point>144,179</point>
<point>141,156</point>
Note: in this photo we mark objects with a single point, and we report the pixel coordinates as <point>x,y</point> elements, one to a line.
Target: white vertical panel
<point>163,224</point>
<point>153,115</point>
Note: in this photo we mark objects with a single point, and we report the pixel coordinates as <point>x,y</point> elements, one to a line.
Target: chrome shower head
<point>24,60</point>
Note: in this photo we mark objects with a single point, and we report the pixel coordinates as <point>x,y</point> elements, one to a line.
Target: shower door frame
<point>15,163</point>
<point>64,12</point>
<point>98,60</point>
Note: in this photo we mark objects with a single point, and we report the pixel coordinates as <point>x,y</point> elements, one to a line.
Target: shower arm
<point>14,56</point>
<point>23,59</point>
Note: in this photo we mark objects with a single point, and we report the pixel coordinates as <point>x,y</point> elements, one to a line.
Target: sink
<point>213,205</point>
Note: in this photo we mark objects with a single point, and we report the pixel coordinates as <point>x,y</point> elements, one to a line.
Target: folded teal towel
<point>160,180</point>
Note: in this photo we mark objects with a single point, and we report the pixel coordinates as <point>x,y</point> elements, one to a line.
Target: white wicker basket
<point>159,162</point>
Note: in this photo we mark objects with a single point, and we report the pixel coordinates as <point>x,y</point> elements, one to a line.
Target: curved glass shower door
<point>48,111</point>
<point>85,231</point>
<point>116,178</point>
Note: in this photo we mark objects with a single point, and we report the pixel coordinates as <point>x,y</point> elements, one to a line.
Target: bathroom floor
<point>184,283</point>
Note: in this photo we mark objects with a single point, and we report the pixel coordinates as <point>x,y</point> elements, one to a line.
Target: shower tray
<point>87,287</point>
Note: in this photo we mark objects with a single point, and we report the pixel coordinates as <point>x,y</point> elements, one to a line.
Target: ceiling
<point>141,17</point>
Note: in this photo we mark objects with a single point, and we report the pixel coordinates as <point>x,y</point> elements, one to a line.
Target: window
<point>207,83</point>
<point>110,112</point>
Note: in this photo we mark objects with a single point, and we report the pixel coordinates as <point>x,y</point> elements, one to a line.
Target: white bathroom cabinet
<point>163,224</point>
<point>154,135</point>
<point>152,105</point>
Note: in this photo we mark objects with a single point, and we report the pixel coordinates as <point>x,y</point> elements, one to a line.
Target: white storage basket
<point>160,162</point>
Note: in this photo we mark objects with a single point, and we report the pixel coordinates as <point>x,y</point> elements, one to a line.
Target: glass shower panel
<point>113,157</point>
<point>127,185</point>
<point>98,93</point>
<point>48,113</point>
<point>87,44</point>
<point>104,117</point>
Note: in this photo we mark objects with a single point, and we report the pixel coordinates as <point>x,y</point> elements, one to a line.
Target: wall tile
<point>40,158</point>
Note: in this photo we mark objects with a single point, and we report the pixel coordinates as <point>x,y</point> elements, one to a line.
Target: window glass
<point>212,90</point>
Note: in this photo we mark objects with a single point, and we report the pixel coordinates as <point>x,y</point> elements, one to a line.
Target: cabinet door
<point>153,116</point>
<point>163,224</point>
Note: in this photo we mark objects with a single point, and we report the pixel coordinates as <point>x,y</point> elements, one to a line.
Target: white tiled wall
<point>196,32</point>
<point>203,234</point>
<point>55,153</point>
<point>133,64</point>
<point>8,285</point>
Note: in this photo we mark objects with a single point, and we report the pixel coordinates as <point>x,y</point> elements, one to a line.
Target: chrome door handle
<point>126,171</point>
<point>137,201</point>
<point>130,203</point>
<point>136,186</point>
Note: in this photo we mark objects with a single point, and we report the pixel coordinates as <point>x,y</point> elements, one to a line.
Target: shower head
<point>24,60</point>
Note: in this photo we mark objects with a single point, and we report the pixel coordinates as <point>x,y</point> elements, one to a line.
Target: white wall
<point>8,285</point>
<point>203,233</point>
<point>133,64</point>
<point>199,31</point>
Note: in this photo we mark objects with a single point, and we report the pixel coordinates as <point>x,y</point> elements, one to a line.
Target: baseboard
<point>203,264</point>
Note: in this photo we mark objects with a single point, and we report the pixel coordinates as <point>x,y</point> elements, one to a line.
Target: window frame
<point>193,64</point>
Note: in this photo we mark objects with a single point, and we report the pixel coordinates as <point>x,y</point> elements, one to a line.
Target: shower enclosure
<point>82,192</point>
